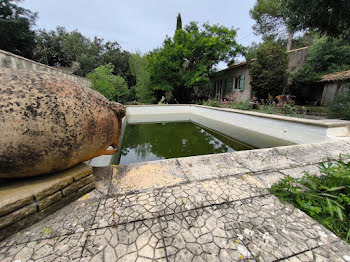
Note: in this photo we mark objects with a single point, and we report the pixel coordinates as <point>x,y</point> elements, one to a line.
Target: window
<point>241,82</point>
<point>238,82</point>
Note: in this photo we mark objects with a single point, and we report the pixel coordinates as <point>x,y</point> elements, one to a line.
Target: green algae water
<point>154,141</point>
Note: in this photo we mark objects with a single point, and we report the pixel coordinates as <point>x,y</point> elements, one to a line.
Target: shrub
<point>243,105</point>
<point>229,100</point>
<point>268,109</point>
<point>212,102</point>
<point>269,70</point>
<point>112,87</point>
<point>341,107</point>
<point>325,198</point>
<point>286,105</point>
<point>139,67</point>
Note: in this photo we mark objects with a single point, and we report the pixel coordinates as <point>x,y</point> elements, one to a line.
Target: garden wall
<point>296,58</point>
<point>13,61</point>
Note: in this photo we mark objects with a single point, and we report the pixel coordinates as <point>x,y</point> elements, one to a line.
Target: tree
<point>139,67</point>
<point>324,56</point>
<point>114,54</point>
<point>15,28</point>
<point>112,87</point>
<point>49,49</point>
<point>326,16</point>
<point>184,62</point>
<point>178,22</point>
<point>268,71</point>
<point>250,52</point>
<point>62,48</point>
<point>271,21</point>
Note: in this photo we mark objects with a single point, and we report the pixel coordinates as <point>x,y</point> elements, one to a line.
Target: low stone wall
<point>26,201</point>
<point>332,90</point>
<point>13,61</point>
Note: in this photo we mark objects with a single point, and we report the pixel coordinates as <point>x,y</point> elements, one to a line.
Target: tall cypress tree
<point>178,22</point>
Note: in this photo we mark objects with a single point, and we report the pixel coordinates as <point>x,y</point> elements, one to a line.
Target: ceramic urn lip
<point>118,108</point>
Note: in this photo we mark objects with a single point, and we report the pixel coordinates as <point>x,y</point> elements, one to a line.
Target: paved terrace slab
<point>203,208</point>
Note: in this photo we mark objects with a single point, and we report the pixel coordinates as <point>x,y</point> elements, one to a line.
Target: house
<point>334,84</point>
<point>232,80</point>
<point>235,80</point>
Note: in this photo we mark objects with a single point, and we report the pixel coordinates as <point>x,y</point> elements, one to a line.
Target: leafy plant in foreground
<point>326,198</point>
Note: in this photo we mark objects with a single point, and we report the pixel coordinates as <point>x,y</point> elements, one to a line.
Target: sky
<point>141,25</point>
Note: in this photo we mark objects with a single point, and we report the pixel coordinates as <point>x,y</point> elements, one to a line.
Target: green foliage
<point>306,39</point>
<point>268,109</point>
<point>269,19</point>
<point>74,44</point>
<point>112,87</point>
<point>139,67</point>
<point>212,102</point>
<point>185,61</point>
<point>113,53</point>
<point>61,48</point>
<point>325,56</point>
<point>269,70</point>
<point>341,107</point>
<point>250,52</point>
<point>327,16</point>
<point>272,23</point>
<point>15,28</point>
<point>178,22</point>
<point>325,198</point>
<point>49,49</point>
<point>243,105</point>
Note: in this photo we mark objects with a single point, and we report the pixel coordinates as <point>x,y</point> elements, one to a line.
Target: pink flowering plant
<point>229,100</point>
<point>282,104</point>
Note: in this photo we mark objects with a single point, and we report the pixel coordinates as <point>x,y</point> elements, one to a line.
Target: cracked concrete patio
<point>203,208</point>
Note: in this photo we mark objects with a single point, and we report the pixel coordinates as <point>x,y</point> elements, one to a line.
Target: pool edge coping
<point>329,123</point>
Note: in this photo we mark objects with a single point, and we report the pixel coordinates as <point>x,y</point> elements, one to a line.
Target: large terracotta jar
<point>49,124</point>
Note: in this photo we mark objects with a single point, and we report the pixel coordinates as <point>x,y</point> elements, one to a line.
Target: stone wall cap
<point>40,64</point>
<point>338,76</point>
<point>19,192</point>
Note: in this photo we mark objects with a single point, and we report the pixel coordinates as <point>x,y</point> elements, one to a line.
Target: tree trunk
<point>286,89</point>
<point>290,38</point>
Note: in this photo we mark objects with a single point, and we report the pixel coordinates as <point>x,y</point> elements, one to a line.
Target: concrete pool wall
<point>292,129</point>
<point>254,128</point>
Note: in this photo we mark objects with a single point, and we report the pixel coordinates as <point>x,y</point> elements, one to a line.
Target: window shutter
<point>230,84</point>
<point>241,82</point>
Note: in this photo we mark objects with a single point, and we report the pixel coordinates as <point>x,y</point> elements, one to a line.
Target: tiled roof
<point>336,76</point>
